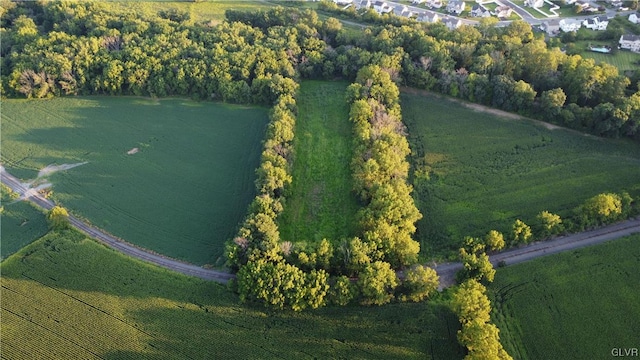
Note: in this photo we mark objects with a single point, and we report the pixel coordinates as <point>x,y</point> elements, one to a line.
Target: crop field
<point>21,224</point>
<point>320,203</point>
<point>575,305</point>
<point>475,171</point>
<point>173,176</point>
<point>68,297</point>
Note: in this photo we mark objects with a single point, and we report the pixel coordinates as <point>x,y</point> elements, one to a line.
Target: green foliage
<point>471,303</point>
<point>419,283</point>
<point>342,291</point>
<point>475,260</point>
<point>58,218</point>
<point>376,283</point>
<point>571,283</point>
<point>521,233</point>
<point>602,208</point>
<point>549,224</point>
<point>494,240</point>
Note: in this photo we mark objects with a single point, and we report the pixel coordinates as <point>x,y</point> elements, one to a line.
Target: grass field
<point>622,59</point>
<point>320,203</point>
<point>182,194</point>
<point>575,305</point>
<point>485,171</point>
<point>21,224</point>
<point>67,297</point>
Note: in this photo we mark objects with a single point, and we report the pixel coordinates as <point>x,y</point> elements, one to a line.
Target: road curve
<point>112,241</point>
<point>446,271</point>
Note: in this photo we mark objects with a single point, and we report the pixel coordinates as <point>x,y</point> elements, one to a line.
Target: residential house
<point>596,23</point>
<point>428,17</point>
<point>452,23</point>
<point>363,4</point>
<point>551,27</point>
<point>534,3</point>
<point>503,11</point>
<point>480,11</point>
<point>403,11</point>
<point>437,4</point>
<point>343,2</point>
<point>568,25</point>
<point>417,2</point>
<point>634,18</point>
<point>630,42</point>
<point>455,7</point>
<point>382,7</point>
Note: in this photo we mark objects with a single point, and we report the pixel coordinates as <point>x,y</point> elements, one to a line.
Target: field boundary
<point>115,243</point>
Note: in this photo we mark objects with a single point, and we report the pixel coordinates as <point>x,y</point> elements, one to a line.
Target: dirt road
<point>446,271</point>
<point>112,241</point>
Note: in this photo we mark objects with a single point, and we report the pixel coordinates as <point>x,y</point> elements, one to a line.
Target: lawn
<point>475,171</point>
<point>320,203</point>
<point>68,297</point>
<point>575,305</point>
<point>21,224</point>
<point>622,59</point>
<point>182,194</point>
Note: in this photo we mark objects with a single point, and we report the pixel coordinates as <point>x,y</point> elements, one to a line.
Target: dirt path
<point>112,241</point>
<point>446,271</point>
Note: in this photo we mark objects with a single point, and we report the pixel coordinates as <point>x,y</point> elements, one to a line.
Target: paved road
<point>112,241</point>
<point>447,271</point>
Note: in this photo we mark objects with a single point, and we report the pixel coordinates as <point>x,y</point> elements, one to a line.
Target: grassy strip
<point>68,297</point>
<point>575,305</point>
<point>475,171</point>
<point>181,194</point>
<point>320,203</point>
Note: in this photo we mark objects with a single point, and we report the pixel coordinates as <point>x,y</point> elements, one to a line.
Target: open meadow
<point>475,171</point>
<point>320,203</point>
<point>576,305</point>
<point>68,297</point>
<point>174,176</point>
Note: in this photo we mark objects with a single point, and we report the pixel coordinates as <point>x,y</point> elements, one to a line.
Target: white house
<point>634,18</point>
<point>455,7</point>
<point>568,25</point>
<point>343,2</point>
<point>434,4</point>
<point>428,17</point>
<point>452,23</point>
<point>480,11</point>
<point>534,3</point>
<point>551,27</point>
<point>630,42</point>
<point>596,23</point>
<point>503,11</point>
<point>417,2</point>
<point>364,4</point>
<point>382,7</point>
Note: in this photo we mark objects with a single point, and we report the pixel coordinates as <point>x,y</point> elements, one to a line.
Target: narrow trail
<point>446,271</point>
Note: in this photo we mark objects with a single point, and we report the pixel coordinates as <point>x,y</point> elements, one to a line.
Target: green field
<point>68,297</point>
<point>182,194</point>
<point>476,171</point>
<point>622,59</point>
<point>575,305</point>
<point>320,203</point>
<point>21,223</point>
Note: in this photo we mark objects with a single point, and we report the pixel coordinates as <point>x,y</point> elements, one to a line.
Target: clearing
<point>575,305</point>
<point>65,296</point>
<point>182,194</point>
<point>475,171</point>
<point>320,203</point>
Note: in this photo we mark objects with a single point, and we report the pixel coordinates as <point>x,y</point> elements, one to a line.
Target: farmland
<point>320,203</point>
<point>174,176</point>
<point>475,171</point>
<point>575,305</point>
<point>21,224</point>
<point>65,296</point>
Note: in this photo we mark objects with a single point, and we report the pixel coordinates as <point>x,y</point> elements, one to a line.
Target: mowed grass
<point>21,223</point>
<point>475,171</point>
<point>575,305</point>
<point>320,203</point>
<point>182,194</point>
<point>68,297</point>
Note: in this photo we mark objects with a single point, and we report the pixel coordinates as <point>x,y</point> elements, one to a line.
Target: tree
<point>482,340</point>
<point>419,283</point>
<point>549,224</point>
<point>494,240</point>
<point>342,292</point>
<point>552,102</point>
<point>602,208</point>
<point>476,261</point>
<point>521,232</point>
<point>58,218</point>
<point>471,303</point>
<point>376,283</point>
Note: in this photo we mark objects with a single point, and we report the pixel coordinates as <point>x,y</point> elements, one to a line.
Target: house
<point>480,11</point>
<point>382,7</point>
<point>452,23</point>
<point>551,27</point>
<point>417,2</point>
<point>568,25</point>
<point>634,18</point>
<point>437,4</point>
<point>534,3</point>
<point>343,2</point>
<point>503,11</point>
<point>596,23</point>
<point>630,42</point>
<point>403,11</point>
<point>455,7</point>
<point>428,17</point>
<point>364,4</point>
